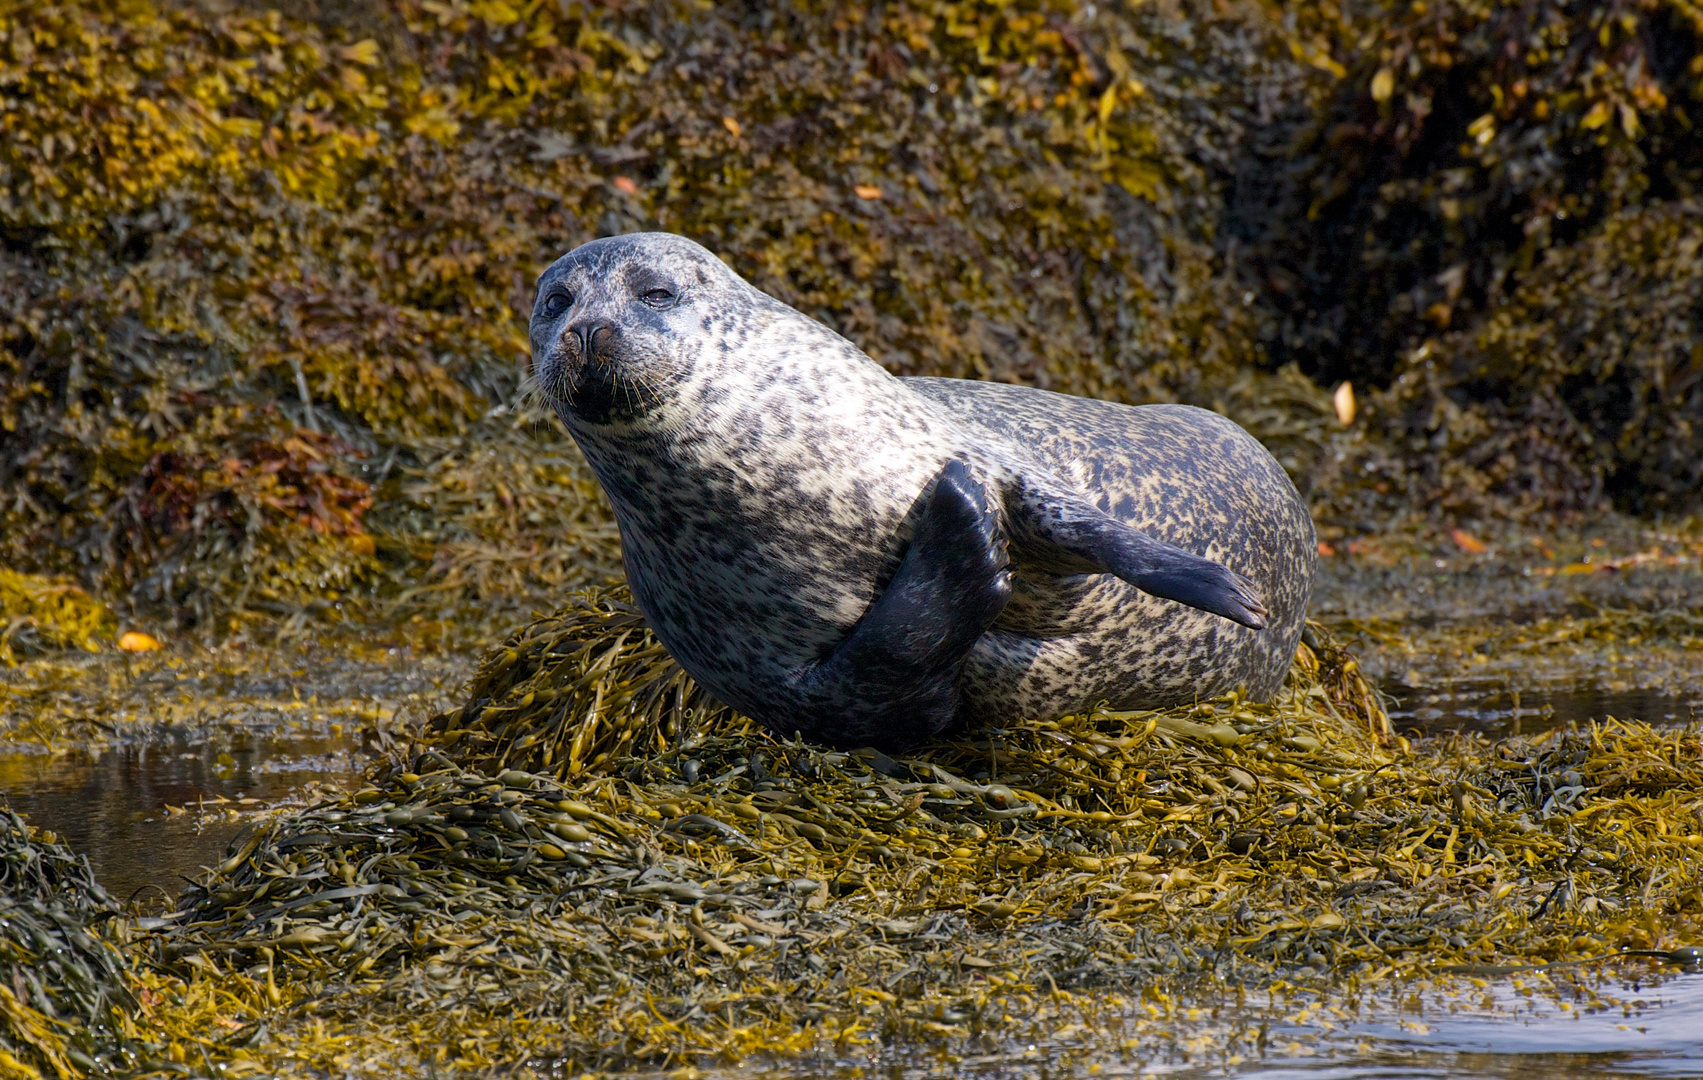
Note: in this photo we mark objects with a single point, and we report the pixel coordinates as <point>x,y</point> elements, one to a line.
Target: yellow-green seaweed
<point>44,613</point>
<point>714,893</point>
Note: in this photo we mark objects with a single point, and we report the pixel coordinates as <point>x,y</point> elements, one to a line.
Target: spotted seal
<point>866,559</point>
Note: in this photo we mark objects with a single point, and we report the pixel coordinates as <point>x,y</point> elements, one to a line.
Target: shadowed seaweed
<point>64,990</point>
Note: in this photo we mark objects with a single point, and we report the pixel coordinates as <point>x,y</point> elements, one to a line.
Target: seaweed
<point>1584,385</point>
<point>261,270</point>
<point>65,1000</point>
<point>703,892</point>
<point>44,614</point>
<point>1492,219</point>
<point>263,278</point>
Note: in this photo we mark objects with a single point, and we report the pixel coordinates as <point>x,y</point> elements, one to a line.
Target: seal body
<point>867,559</point>
<point>1184,476</point>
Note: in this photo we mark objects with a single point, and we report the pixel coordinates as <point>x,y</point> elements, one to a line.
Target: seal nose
<point>592,336</point>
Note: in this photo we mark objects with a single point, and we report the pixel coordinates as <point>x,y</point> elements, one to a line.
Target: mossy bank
<point>265,274</point>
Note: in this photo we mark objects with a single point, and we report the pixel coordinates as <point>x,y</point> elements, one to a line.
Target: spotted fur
<point>768,479</point>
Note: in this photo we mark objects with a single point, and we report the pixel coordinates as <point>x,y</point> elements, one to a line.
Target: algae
<point>1492,217</point>
<point>45,614</point>
<point>707,893</point>
<point>64,1007</point>
<point>263,272</point>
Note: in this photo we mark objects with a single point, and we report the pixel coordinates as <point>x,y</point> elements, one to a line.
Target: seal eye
<point>555,304</point>
<point>657,298</point>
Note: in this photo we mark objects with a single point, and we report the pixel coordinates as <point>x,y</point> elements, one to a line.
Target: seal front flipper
<point>1070,535</point>
<point>894,679</point>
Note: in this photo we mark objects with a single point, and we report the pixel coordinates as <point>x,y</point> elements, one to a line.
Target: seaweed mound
<point>64,992</point>
<point>705,892</point>
<point>569,692</point>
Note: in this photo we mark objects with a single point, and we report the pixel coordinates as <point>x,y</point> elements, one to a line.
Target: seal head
<point>612,319</point>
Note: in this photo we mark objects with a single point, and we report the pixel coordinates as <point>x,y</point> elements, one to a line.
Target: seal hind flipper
<point>1069,534</point>
<point>894,679</point>
<point>1174,574</point>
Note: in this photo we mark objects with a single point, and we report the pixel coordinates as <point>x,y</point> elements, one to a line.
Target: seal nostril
<point>589,338</point>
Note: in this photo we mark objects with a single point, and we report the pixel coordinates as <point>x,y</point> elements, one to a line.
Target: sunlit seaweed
<point>48,613</point>
<point>573,690</point>
<point>707,892</point>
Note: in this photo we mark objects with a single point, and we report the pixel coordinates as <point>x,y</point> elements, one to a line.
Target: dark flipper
<point>894,679</point>
<point>1174,574</point>
<point>1072,535</point>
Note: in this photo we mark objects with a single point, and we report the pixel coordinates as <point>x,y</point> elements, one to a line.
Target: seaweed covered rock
<point>589,684</point>
<point>1007,191</point>
<point>64,992</point>
<point>1491,215</point>
<point>264,276</point>
<point>1585,383</point>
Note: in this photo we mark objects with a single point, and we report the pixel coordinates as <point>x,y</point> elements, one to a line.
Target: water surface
<point>1645,1026</point>
<point>1643,1030</point>
<point>1496,711</point>
<point>154,813</point>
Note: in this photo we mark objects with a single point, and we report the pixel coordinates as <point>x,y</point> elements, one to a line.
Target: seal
<point>870,560</point>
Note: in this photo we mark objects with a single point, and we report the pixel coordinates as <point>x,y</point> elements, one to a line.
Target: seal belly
<point>1185,477</point>
<point>754,548</point>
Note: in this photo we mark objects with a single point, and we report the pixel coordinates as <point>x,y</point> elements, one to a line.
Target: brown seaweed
<point>703,869</point>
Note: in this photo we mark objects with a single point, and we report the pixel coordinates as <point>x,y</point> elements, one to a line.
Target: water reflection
<point>1524,1028</point>
<point>1643,1031</point>
<point>1497,711</point>
<point>111,805</point>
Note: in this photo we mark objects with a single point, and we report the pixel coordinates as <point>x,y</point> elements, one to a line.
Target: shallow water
<point>99,747</point>
<point>153,814</point>
<point>1654,1031</point>
<point>1518,1028</point>
<point>1496,711</point>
